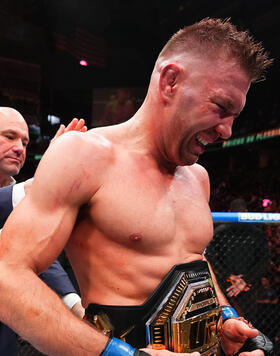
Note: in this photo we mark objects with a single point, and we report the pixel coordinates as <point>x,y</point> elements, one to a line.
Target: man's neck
<point>6,181</point>
<point>140,134</point>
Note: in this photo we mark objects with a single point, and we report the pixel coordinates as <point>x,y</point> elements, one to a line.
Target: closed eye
<point>226,111</point>
<point>221,107</point>
<point>221,110</point>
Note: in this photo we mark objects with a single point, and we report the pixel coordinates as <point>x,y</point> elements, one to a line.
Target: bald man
<point>14,139</point>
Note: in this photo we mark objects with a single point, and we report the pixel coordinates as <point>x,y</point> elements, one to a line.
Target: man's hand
<point>252,353</point>
<point>74,125</point>
<point>234,333</point>
<point>238,285</point>
<point>169,353</point>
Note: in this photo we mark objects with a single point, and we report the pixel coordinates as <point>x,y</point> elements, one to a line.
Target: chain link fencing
<point>251,252</point>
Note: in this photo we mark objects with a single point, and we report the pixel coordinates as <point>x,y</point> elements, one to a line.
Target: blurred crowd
<point>259,188</point>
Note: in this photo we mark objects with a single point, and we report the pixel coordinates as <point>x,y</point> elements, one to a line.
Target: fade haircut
<point>211,36</point>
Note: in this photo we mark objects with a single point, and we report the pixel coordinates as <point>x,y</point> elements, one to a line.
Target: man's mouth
<point>15,159</point>
<point>201,140</point>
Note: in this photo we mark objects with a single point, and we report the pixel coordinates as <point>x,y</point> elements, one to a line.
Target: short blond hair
<point>211,36</point>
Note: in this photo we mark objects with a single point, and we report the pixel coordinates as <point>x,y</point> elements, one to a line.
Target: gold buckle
<point>181,323</point>
<point>198,333</point>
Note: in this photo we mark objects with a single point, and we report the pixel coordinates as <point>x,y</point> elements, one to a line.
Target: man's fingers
<point>252,353</point>
<point>153,352</point>
<point>80,124</point>
<point>60,131</point>
<point>233,291</point>
<point>72,125</point>
<point>238,330</point>
<point>76,125</point>
<point>245,330</point>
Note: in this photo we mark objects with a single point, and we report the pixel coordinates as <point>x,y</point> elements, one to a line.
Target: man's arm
<point>58,280</point>
<point>55,276</point>
<point>29,244</point>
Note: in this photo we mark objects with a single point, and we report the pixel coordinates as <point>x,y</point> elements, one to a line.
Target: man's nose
<point>224,128</point>
<point>18,147</point>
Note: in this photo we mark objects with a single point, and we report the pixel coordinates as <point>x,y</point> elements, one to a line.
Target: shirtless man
<point>129,201</point>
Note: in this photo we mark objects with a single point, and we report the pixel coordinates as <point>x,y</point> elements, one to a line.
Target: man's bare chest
<point>152,209</point>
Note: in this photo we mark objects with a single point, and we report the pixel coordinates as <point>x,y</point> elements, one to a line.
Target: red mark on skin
<point>121,264</point>
<point>135,237</point>
<point>4,250</point>
<point>75,186</point>
<point>32,312</point>
<point>86,175</point>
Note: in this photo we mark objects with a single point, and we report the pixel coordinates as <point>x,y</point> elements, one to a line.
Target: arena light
<point>38,157</point>
<point>83,63</point>
<point>54,120</point>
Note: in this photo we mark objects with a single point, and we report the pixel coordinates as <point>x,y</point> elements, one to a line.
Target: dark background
<point>40,75</point>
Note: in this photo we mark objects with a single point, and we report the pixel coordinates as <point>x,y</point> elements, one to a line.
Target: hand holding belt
<point>261,341</point>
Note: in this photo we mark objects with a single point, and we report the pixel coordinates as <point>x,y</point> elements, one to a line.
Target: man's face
<point>210,95</point>
<point>13,141</point>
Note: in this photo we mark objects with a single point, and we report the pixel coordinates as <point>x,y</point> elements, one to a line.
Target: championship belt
<point>181,315</point>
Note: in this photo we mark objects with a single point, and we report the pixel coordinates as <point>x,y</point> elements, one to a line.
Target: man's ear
<point>168,81</point>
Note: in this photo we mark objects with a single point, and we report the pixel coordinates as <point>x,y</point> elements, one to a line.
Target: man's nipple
<point>135,237</point>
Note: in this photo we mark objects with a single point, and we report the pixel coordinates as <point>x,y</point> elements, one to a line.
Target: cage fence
<point>248,245</point>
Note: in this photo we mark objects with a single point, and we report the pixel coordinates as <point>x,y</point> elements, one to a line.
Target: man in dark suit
<point>13,142</point>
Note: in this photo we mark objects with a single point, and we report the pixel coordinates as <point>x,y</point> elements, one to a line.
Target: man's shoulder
<point>195,169</point>
<point>89,145</point>
<point>75,162</point>
<point>198,177</point>
<point>197,174</point>
<point>93,136</point>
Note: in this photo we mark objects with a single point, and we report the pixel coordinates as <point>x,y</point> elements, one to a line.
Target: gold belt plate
<point>181,323</point>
